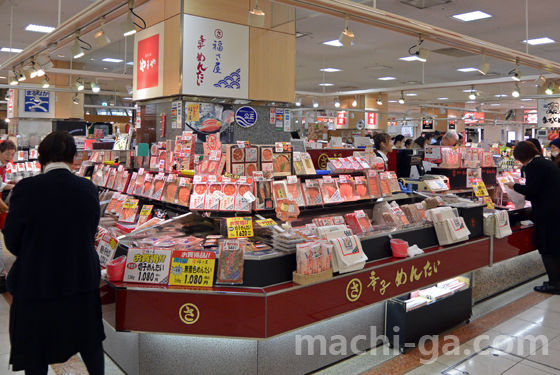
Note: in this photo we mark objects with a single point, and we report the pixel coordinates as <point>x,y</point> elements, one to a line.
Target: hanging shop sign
<point>11,103</point>
<point>341,122</point>
<point>451,124</point>
<point>215,58</point>
<point>371,122</point>
<point>147,266</point>
<point>36,104</point>
<point>246,117</point>
<point>549,112</point>
<point>192,268</point>
<point>427,124</point>
<point>148,62</point>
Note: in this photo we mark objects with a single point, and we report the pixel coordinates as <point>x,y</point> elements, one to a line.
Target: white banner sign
<point>148,62</point>
<point>35,103</point>
<point>215,58</point>
<point>549,112</point>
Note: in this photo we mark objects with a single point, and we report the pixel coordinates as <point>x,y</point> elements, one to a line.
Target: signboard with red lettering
<point>215,58</point>
<point>341,120</point>
<point>371,122</point>
<point>148,62</point>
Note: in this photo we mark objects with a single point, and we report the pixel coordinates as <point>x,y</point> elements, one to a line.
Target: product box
<point>294,190</point>
<point>361,186</point>
<point>347,188</point>
<point>159,184</point>
<point>170,189</point>
<point>263,194</point>
<point>148,185</point>
<point>183,191</point>
<point>312,192</point>
<point>329,190</point>
<point>238,169</point>
<point>282,164</point>
<point>230,193</point>
<point>129,211</point>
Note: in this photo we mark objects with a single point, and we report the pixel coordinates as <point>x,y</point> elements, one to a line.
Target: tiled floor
<point>74,366</point>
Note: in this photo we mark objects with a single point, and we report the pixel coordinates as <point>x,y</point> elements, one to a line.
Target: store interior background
<point>375,54</point>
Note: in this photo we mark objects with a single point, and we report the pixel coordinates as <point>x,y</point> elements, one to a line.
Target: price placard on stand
<point>266,223</point>
<point>192,268</point>
<point>106,249</point>
<point>240,227</point>
<point>147,266</point>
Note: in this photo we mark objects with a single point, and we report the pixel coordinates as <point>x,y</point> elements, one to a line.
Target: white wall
<point>494,133</point>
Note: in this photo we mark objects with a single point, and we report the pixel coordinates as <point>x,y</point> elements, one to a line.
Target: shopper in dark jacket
<point>50,228</point>
<point>555,151</point>
<point>542,189</point>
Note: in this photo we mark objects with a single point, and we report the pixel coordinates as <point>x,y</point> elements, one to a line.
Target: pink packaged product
<point>139,186</point>
<point>323,221</point>
<point>112,178</point>
<point>212,196</point>
<point>104,178</point>
<point>159,183</point>
<point>251,154</point>
<point>312,193</point>
<point>329,190</point>
<point>308,257</point>
<point>230,193</point>
<point>198,194</point>
<point>238,169</point>
<point>148,185</point>
<point>245,195</point>
<point>359,222</point>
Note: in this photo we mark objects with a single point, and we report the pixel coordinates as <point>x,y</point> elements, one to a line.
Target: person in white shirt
<point>383,146</point>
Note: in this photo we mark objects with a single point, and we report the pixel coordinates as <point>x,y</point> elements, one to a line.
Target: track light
<point>76,50</point>
<point>549,89</point>
<point>127,26</point>
<point>472,95</point>
<point>111,103</point>
<point>21,76</point>
<point>516,92</point>
<point>44,64</point>
<point>14,81</point>
<point>298,101</point>
<point>347,35</point>
<point>379,101</point>
<point>7,96</point>
<point>36,98</point>
<point>337,102</point>
<point>75,99</point>
<point>516,74</point>
<point>101,38</point>
<point>95,86</point>
<point>80,83</point>
<point>401,99</point>
<point>46,82</point>
<point>315,103</point>
<point>422,53</point>
<point>540,80</point>
<point>355,102</point>
<point>484,68</point>
<point>129,89</point>
<point>33,72</point>
<point>256,16</point>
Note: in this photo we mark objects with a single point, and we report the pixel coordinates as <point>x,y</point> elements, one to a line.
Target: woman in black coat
<point>50,228</point>
<point>543,190</point>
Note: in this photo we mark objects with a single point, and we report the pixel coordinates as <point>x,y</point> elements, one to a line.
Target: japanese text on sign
<point>147,266</point>
<point>192,268</point>
<point>240,227</point>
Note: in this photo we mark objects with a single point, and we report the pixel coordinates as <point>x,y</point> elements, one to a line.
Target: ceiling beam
<point>88,73</point>
<point>60,89</point>
<point>375,17</point>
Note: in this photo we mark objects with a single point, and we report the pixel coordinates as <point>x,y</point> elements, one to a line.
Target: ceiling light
<point>112,60</point>
<point>391,101</point>
<point>111,103</point>
<point>466,70</point>
<point>7,96</point>
<point>326,84</point>
<point>443,98</point>
<point>80,83</point>
<point>386,78</point>
<point>75,99</point>
<point>516,92</point>
<point>127,98</point>
<point>130,63</point>
<point>13,80</point>
<point>526,99</point>
<point>422,54</point>
<point>401,99</point>
<point>484,68</point>
<point>501,96</point>
<point>471,16</point>
<point>46,82</point>
<point>61,55</point>
<point>540,80</point>
<point>315,103</point>
<point>298,101</point>
<point>127,26</point>
<point>379,101</point>
<point>355,102</point>
<point>33,72</point>
<point>549,89</point>
<point>472,96</point>
<point>442,111</point>
<point>347,35</point>
<point>539,41</point>
<point>516,73</point>
<point>495,104</point>
<point>13,50</point>
<point>330,70</point>
<point>410,58</point>
<point>44,63</point>
<point>95,86</point>
<point>337,102</point>
<point>129,89</point>
<point>101,38</point>
<point>39,28</point>
<point>21,76</point>
<point>256,16</point>
<point>76,50</point>
<point>411,94</point>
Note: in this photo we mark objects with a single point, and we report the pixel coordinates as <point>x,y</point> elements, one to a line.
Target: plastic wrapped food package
<point>230,267</point>
<point>312,193</point>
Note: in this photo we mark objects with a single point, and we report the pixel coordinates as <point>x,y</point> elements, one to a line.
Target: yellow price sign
<point>192,268</point>
<point>131,203</point>
<point>266,223</point>
<point>488,200</point>
<point>193,112</point>
<point>240,227</point>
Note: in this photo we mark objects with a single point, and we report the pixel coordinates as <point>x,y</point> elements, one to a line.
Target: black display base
<point>473,219</point>
<point>458,176</point>
<point>380,247</point>
<point>432,319</point>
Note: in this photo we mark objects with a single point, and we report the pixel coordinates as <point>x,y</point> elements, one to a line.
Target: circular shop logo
<point>354,290</point>
<point>189,313</point>
<point>246,117</point>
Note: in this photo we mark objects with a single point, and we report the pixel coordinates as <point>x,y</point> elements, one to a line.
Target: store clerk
<point>383,146</point>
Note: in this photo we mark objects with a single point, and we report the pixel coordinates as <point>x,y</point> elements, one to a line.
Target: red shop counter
<point>260,313</point>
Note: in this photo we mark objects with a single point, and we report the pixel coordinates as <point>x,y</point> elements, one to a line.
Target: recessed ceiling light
<point>92,59</point>
<point>127,98</point>
<point>411,94</point>
<point>334,43</point>
<point>412,82</point>
<point>61,55</point>
<point>330,70</point>
<point>391,101</point>
<point>443,98</point>
<point>495,104</point>
<point>539,41</point>
<point>410,58</point>
<point>386,78</point>
<point>130,63</point>
<point>106,68</point>
<point>526,99</point>
<point>39,28</point>
<point>2,77</point>
<point>471,101</point>
<point>465,70</point>
<point>469,90</point>
<point>326,84</point>
<point>14,50</point>
<point>112,60</point>
<point>501,96</point>
<point>471,16</point>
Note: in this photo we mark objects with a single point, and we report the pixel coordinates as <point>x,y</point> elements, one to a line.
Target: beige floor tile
<point>431,369</point>
<point>544,317</point>
<point>452,357</point>
<point>546,356</point>
<point>523,369</point>
<point>521,328</point>
<point>552,304</point>
<point>538,366</point>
